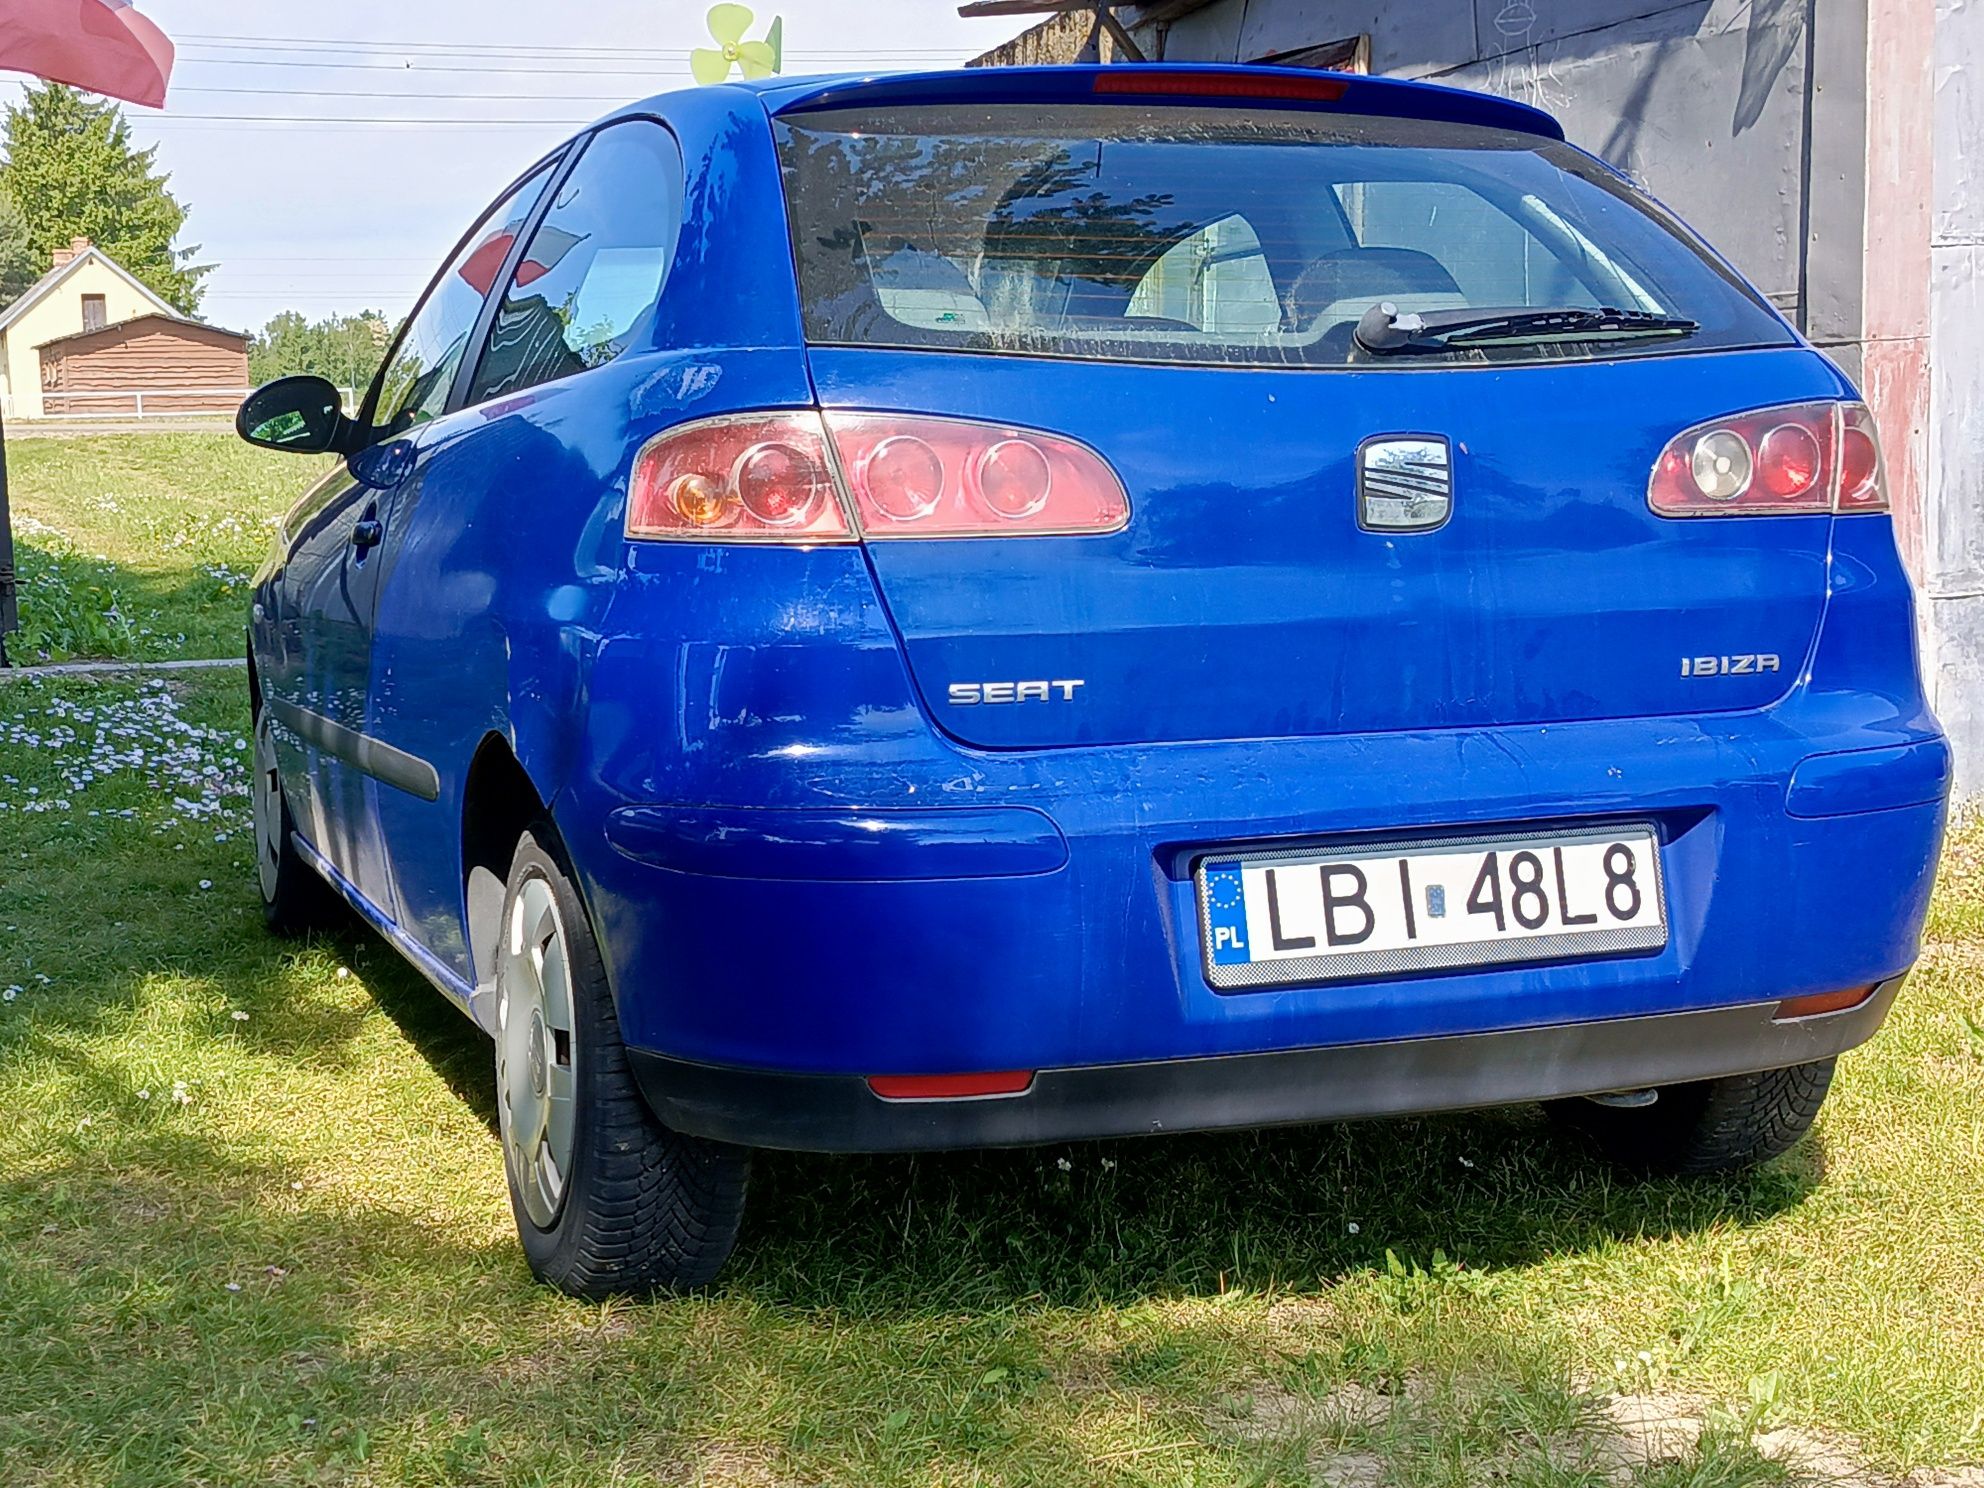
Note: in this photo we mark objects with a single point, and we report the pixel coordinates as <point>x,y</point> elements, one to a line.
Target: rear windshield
<point>1202,235</point>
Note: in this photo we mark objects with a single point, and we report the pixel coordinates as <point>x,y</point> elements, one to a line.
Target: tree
<point>73,173</point>
<point>344,348</point>
<point>19,265</point>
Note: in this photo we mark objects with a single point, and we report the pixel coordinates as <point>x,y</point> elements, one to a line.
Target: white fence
<point>59,404</point>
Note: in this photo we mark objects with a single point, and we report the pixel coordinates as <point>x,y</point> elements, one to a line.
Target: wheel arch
<point>500,801</point>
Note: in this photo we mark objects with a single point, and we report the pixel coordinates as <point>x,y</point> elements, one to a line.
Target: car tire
<point>607,1200</point>
<point>295,898</point>
<point>1710,1126</point>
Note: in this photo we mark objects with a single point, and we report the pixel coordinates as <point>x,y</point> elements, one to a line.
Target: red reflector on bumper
<point>1821,1002</point>
<point>950,1087</point>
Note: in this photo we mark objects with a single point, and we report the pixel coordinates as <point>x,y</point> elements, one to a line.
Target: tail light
<point>931,477</point>
<point>747,478</point>
<point>1803,457</point>
<point>787,478</point>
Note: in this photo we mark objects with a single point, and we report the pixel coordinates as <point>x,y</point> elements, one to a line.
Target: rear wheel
<point>1710,1126</point>
<point>606,1199</point>
<point>295,899</point>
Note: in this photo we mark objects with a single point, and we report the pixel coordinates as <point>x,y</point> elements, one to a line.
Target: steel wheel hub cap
<point>534,1050</point>
<point>266,797</point>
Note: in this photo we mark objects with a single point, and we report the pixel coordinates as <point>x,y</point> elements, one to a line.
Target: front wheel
<point>1710,1126</point>
<point>295,899</point>
<point>606,1198</point>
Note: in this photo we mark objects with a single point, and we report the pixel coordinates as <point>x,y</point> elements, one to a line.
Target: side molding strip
<point>403,771</point>
<point>424,961</point>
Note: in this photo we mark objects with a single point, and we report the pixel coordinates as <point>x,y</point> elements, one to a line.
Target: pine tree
<point>72,172</point>
<point>20,266</point>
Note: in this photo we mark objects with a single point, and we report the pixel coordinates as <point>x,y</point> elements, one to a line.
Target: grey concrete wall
<point>1952,555</point>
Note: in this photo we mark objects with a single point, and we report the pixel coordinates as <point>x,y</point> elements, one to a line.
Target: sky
<point>331,155</point>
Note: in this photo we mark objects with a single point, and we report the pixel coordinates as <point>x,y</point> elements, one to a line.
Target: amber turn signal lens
<point>698,499</point>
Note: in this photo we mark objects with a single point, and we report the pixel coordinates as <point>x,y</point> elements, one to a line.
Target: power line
<point>511,71</point>
<point>409,67</point>
<point>184,119</point>
<point>607,99</point>
<point>469,48</point>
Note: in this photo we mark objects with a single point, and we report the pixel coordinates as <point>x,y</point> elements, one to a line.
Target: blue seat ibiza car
<point>1016,605</point>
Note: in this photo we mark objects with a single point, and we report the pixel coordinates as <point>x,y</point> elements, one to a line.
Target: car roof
<point>1213,84</point>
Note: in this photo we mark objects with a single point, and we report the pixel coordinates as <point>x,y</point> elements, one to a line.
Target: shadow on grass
<point>74,607</point>
<point>1077,1224</point>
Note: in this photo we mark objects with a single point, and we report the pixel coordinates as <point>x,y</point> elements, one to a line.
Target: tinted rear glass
<point>1215,235</point>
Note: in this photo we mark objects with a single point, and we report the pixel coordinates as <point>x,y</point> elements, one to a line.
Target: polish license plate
<point>1270,919</point>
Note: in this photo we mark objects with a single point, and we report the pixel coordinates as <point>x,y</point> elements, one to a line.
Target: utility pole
<point>10,606</point>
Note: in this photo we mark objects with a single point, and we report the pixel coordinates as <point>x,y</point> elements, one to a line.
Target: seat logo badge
<point>1405,483</point>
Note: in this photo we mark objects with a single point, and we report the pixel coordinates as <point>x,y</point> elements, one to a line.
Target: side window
<point>592,274</point>
<point>414,386</point>
<point>1216,280</point>
<point>1492,258</point>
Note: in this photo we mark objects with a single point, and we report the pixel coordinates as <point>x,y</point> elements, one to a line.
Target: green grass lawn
<point>252,1230</point>
<point>142,545</point>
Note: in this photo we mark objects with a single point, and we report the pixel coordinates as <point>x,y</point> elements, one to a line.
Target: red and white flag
<point>102,45</point>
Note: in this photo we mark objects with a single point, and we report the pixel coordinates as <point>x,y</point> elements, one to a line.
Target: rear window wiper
<point>1385,332</point>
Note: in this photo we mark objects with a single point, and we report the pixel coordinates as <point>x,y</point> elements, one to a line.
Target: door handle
<point>368,533</point>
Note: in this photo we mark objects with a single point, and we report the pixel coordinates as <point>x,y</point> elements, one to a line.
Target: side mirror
<point>303,415</point>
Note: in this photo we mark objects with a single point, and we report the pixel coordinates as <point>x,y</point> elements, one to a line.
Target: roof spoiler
<point>1209,85</point>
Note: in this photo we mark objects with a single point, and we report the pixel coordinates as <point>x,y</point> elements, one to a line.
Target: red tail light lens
<point>930,477</point>
<point>765,477</point>
<point>1863,477</point>
<point>749,478</point>
<point>1804,457</point>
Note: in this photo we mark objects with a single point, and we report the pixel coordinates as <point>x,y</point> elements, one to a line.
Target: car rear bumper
<point>840,1113</point>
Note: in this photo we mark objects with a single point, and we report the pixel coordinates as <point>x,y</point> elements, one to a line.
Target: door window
<point>414,386</point>
<point>588,282</point>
